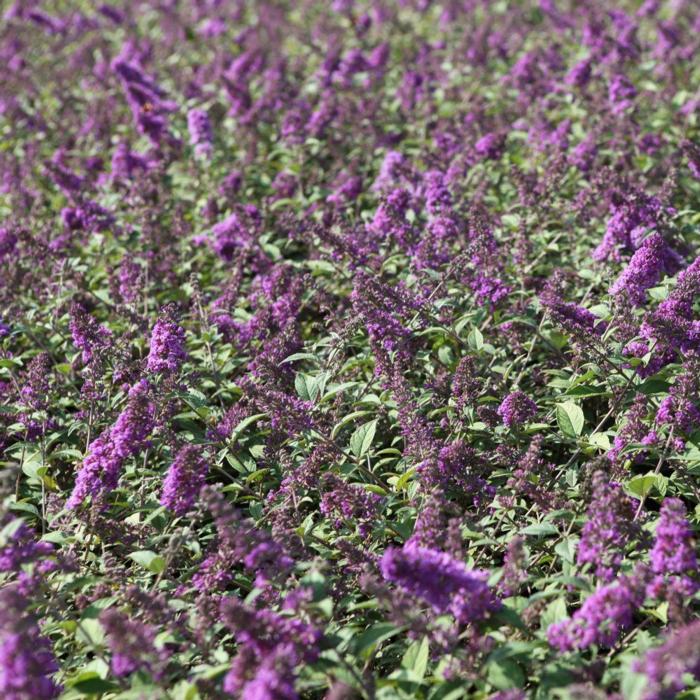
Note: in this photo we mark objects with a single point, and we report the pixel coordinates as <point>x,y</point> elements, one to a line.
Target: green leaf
<point>361,439</point>
<point>304,385</point>
<point>567,549</point>
<point>554,612</point>
<point>540,530</point>
<point>570,419</point>
<point>373,636</point>
<point>416,657</point>
<point>633,685</point>
<point>94,685</point>
<point>643,484</point>
<point>149,560</point>
<point>504,674</point>
<point>475,339</point>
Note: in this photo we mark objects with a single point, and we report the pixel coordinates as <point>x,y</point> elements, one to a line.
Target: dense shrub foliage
<point>349,349</point>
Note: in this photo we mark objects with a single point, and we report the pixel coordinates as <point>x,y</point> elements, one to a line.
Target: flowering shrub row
<point>349,349</point>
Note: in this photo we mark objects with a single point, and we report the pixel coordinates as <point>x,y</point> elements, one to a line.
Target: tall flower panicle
<point>601,618</point>
<point>446,584</point>
<point>89,336</point>
<point>27,662</point>
<point>184,480</point>
<point>517,408</point>
<point>131,643</point>
<point>270,648</point>
<point>670,667</point>
<point>230,235</point>
<point>609,528</point>
<point>167,351</point>
<point>103,464</point>
<point>19,545</point>
<point>36,387</point>
<point>342,502</point>
<point>673,556</point>
<point>201,135</point>
<point>649,262</point>
<point>8,242</point>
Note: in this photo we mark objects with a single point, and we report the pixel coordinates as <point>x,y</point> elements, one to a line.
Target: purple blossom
<point>490,146</point>
<point>230,235</point>
<point>609,528</point>
<point>106,455</point>
<point>19,546</point>
<point>446,584</point>
<point>8,242</point>
<point>201,135</point>
<point>270,647</point>
<point>130,641</point>
<point>668,666</point>
<point>673,554</point>
<point>645,269</point>
<point>601,618</point>
<point>517,408</point>
<point>26,659</point>
<point>348,502</point>
<point>88,335</point>
<point>184,480</point>
<point>167,350</point>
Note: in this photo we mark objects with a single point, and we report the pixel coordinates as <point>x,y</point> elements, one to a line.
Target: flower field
<point>350,349</point>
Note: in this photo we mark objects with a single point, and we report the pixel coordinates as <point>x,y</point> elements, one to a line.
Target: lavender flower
<point>446,584</point>
<point>668,666</point>
<point>517,408</point>
<point>102,466</point>
<point>201,136</point>
<point>601,619</point>
<point>26,659</point>
<point>673,554</point>
<point>184,480</point>
<point>167,351</point>
<point>645,268</point>
<point>609,528</point>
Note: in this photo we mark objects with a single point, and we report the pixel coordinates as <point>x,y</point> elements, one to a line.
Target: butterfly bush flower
<point>517,408</point>
<point>131,643</point>
<point>89,336</point>
<point>645,269</point>
<point>8,242</point>
<point>201,135</point>
<point>609,528</point>
<point>601,618</point>
<point>348,502</point>
<point>19,545</point>
<point>270,646</point>
<point>630,218</point>
<point>490,146</point>
<point>446,584</point>
<point>26,659</point>
<point>184,480</point>
<point>103,464</point>
<point>230,235</point>
<point>145,98</point>
<point>673,556</point>
<point>126,163</point>
<point>670,667</point>
<point>167,351</point>
<point>621,93</point>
